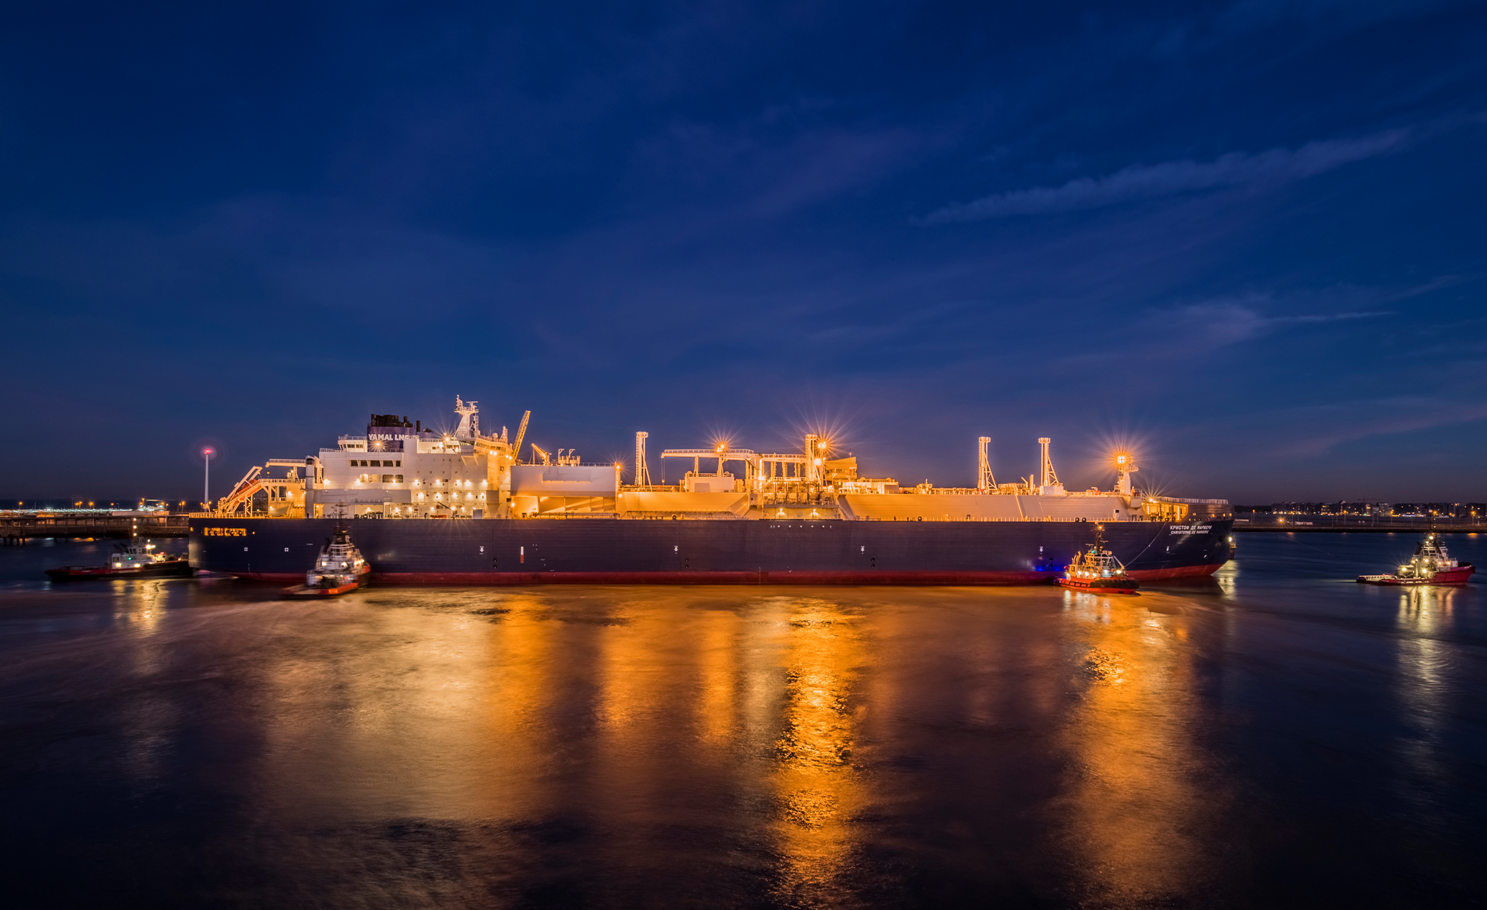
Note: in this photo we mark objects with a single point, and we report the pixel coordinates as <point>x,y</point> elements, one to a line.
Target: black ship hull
<point>175,568</point>
<point>625,551</point>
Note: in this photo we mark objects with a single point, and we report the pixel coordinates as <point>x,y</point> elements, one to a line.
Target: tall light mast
<point>206,481</point>
<point>642,473</point>
<point>1125,466</point>
<point>985,483</point>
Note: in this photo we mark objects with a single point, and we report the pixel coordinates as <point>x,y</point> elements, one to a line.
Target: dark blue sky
<point>1248,236</point>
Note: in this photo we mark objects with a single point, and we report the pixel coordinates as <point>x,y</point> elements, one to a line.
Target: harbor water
<point>1278,736</point>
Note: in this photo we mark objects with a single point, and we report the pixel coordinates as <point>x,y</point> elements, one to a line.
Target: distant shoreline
<point>1357,523</point>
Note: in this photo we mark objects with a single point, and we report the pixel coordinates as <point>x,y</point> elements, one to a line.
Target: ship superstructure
<point>404,474</point>
<point>397,469</point>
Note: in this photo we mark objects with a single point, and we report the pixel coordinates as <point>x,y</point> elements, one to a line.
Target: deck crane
<point>520,432</point>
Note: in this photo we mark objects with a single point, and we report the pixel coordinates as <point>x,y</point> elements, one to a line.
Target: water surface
<point>1280,737</point>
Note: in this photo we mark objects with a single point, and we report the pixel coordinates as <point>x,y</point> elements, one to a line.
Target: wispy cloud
<point>1234,319</point>
<point>1227,322</point>
<point>1140,181</point>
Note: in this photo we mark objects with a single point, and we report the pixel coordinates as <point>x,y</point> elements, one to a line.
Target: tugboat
<point>1431,565</point>
<point>137,559</point>
<point>1098,571</point>
<point>339,568</point>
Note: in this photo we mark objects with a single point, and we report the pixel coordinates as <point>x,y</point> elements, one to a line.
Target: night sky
<point>1248,238</point>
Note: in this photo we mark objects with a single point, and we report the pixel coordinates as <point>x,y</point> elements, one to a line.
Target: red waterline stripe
<point>510,579</point>
<point>1179,572</point>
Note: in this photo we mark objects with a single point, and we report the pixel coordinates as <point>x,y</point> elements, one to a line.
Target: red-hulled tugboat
<point>1098,571</point>
<point>1431,565</point>
<point>137,559</point>
<point>339,568</point>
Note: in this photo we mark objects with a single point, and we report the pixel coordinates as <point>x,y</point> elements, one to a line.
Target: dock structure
<point>16,530</point>
<point>1382,524</point>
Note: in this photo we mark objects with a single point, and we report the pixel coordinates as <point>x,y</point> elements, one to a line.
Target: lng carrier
<point>462,507</point>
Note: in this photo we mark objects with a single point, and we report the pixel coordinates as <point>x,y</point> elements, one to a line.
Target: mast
<point>642,473</point>
<point>469,426</point>
<point>985,483</point>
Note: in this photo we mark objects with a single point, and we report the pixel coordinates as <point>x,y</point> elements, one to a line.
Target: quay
<point>1381,524</point>
<point>16,530</point>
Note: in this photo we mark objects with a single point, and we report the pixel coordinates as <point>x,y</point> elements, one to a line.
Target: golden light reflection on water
<point>645,688</point>
<point>436,715</point>
<point>1135,812</point>
<point>664,715</point>
<point>514,671</point>
<point>140,605</point>
<point>149,721</point>
<point>1424,614</point>
<point>815,782</point>
<point>1425,608</point>
<point>716,706</point>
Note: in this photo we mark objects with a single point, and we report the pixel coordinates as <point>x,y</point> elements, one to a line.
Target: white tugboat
<point>137,559</point>
<point>339,568</point>
<point>1098,571</point>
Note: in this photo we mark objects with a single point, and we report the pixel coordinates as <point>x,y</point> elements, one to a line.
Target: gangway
<point>254,482</point>
<point>241,491</point>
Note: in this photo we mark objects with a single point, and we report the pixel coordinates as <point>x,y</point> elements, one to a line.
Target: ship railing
<point>569,516</point>
<point>1197,502</point>
<point>291,513</point>
<point>944,519</point>
<point>678,516</point>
